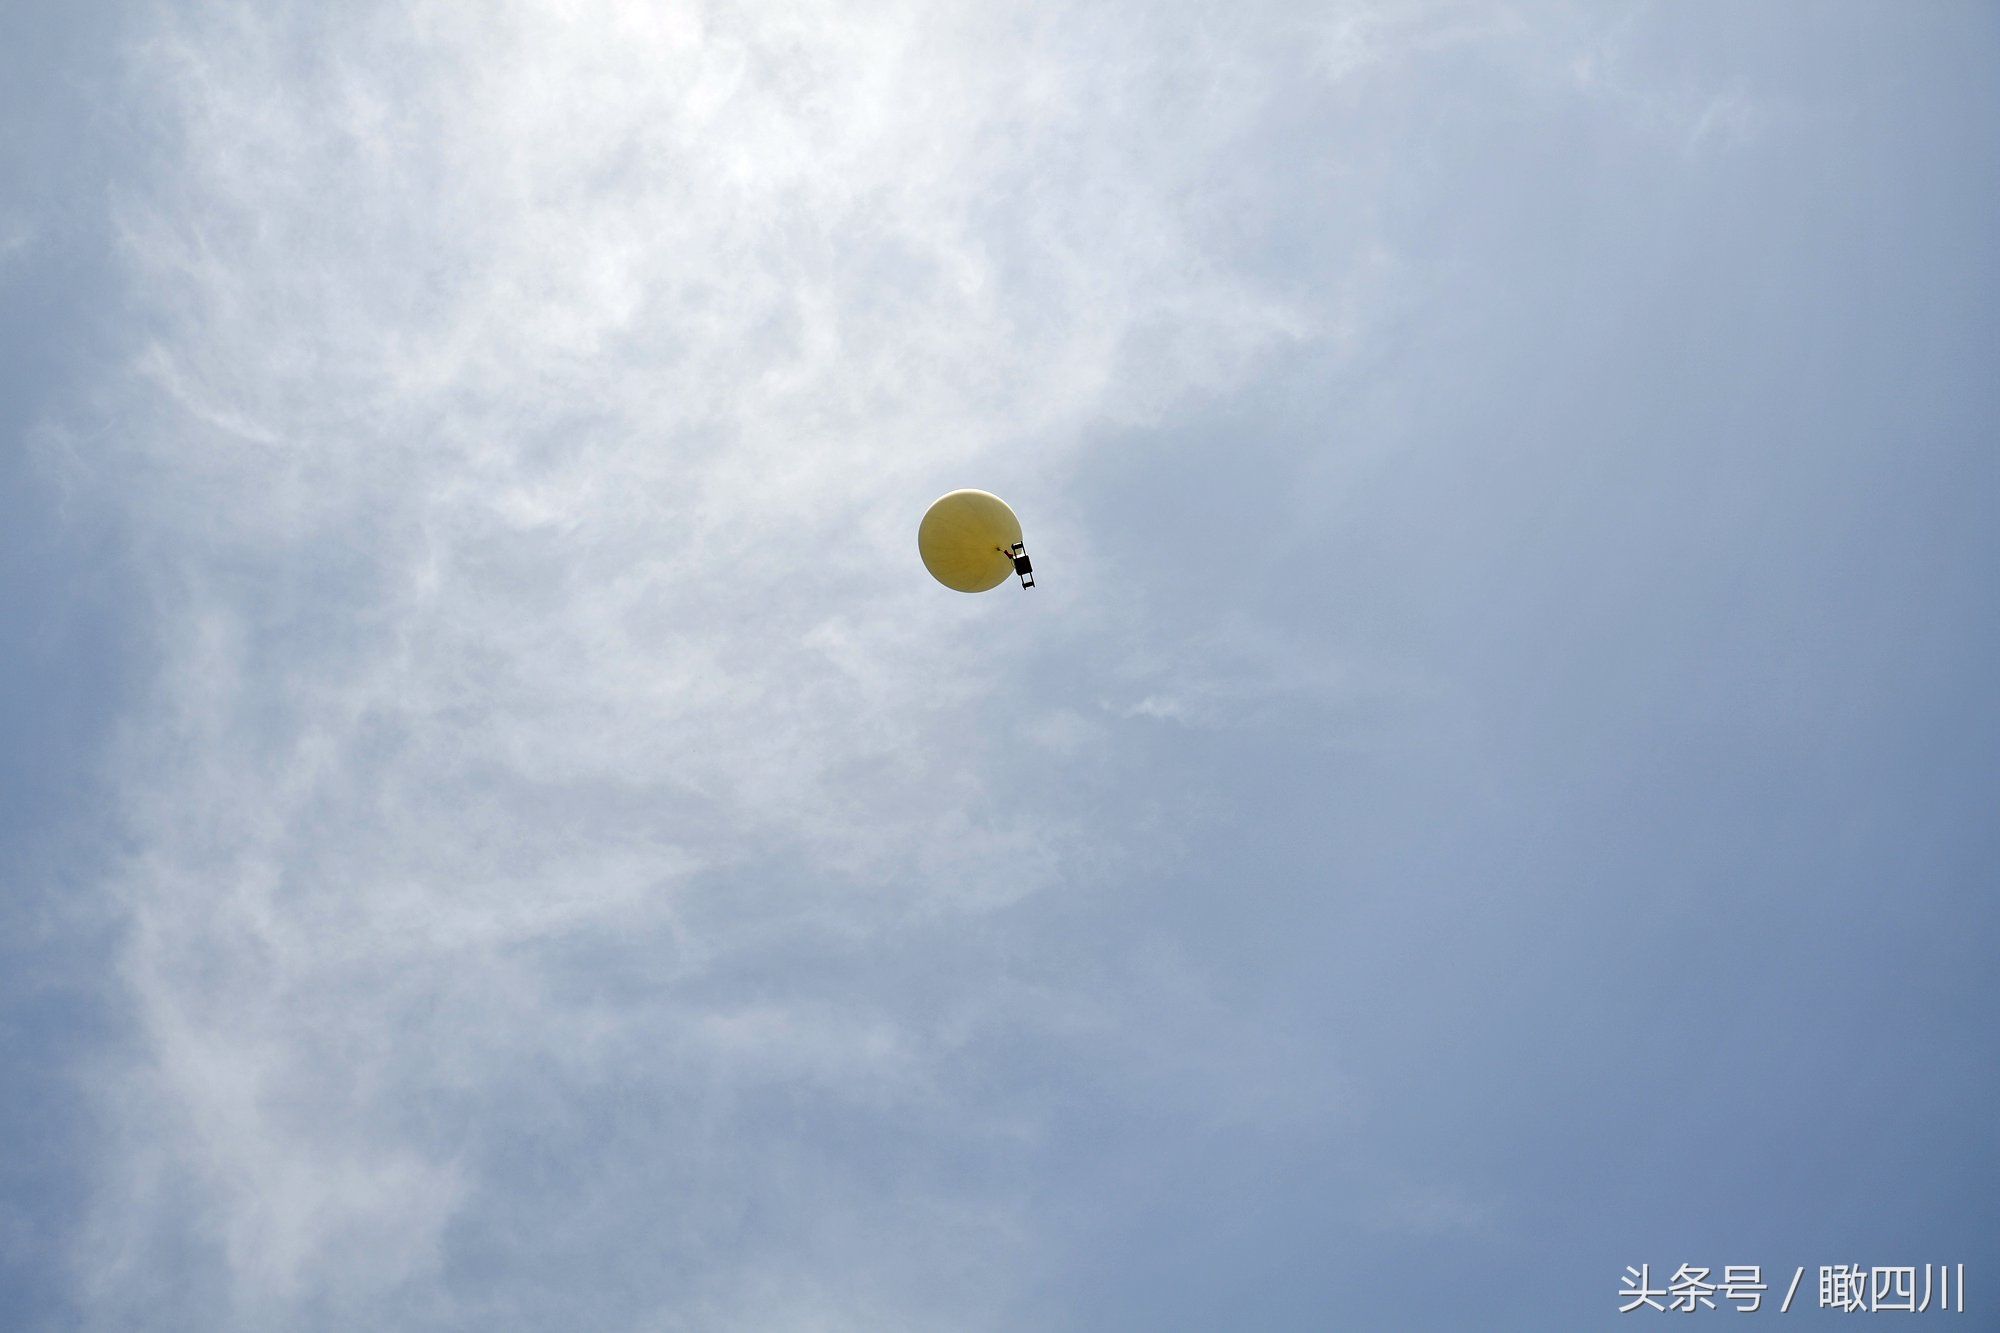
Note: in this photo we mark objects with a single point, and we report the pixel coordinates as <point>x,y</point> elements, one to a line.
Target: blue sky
<point>1496,782</point>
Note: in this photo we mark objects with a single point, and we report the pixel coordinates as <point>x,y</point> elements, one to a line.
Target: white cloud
<point>522,462</point>
<point>1695,114</point>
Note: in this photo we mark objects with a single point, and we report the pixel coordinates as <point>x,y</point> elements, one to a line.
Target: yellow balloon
<point>966,539</point>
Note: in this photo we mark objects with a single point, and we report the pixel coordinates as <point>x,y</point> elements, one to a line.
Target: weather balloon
<point>971,541</point>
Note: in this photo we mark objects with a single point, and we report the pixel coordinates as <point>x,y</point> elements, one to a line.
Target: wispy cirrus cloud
<point>522,453</point>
